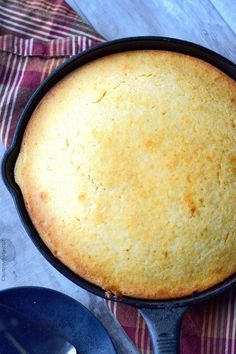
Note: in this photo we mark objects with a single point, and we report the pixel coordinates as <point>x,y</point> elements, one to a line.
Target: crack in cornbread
<point>128,172</point>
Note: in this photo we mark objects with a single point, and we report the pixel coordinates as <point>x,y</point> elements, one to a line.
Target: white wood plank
<point>196,21</point>
<point>227,10</point>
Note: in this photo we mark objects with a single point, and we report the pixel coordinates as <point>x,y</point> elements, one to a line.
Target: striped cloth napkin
<point>36,36</point>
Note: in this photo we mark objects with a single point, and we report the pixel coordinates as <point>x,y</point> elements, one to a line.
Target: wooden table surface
<point>210,23</point>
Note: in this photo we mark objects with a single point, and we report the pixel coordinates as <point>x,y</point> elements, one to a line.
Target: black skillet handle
<point>164,327</point>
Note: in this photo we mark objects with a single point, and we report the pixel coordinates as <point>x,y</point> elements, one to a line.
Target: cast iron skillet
<point>163,317</point>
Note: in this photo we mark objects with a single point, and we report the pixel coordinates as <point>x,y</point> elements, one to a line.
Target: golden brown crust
<point>128,171</point>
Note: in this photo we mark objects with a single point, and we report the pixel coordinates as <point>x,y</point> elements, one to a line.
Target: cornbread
<point>128,172</point>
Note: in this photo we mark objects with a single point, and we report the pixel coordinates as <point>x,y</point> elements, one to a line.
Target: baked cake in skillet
<point>128,172</point>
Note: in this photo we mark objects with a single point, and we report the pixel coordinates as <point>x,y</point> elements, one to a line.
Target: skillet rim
<point>8,163</point>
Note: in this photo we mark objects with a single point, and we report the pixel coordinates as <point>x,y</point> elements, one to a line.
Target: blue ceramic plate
<point>62,315</point>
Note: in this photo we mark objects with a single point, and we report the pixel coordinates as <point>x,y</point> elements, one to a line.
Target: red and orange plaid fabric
<point>36,36</point>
